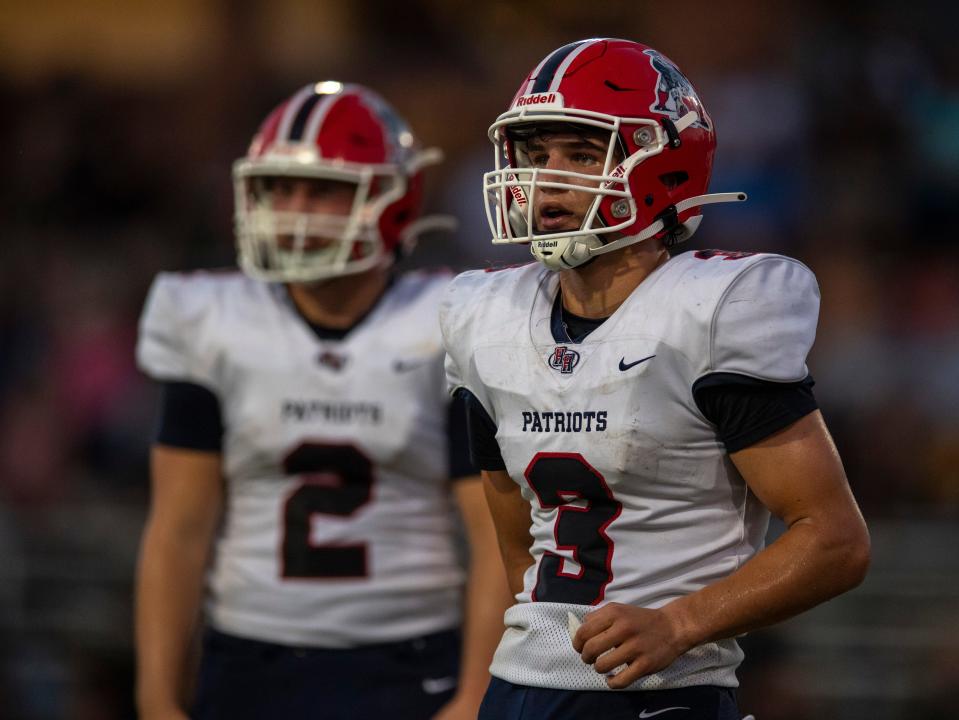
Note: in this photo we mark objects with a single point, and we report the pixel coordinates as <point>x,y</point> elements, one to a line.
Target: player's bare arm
<point>487,597</point>
<point>510,513</point>
<point>186,501</point>
<point>798,475</point>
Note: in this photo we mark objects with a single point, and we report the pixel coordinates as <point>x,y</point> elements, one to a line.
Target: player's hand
<point>643,640</point>
<point>459,708</point>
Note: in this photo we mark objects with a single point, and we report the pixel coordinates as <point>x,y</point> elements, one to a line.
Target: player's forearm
<point>807,565</point>
<point>168,595</point>
<point>517,562</point>
<point>510,513</point>
<point>487,598</point>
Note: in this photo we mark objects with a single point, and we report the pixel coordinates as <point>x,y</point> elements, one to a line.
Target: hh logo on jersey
<point>674,94</point>
<point>331,360</point>
<point>563,359</point>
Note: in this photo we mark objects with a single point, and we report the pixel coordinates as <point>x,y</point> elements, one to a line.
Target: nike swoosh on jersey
<point>623,365</point>
<point>648,714</point>
<point>435,686</point>
<point>402,366</point>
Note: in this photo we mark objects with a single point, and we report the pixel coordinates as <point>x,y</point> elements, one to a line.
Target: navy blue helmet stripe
<point>302,115</point>
<point>545,76</point>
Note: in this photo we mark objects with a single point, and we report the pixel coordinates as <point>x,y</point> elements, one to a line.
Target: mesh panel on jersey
<point>536,650</point>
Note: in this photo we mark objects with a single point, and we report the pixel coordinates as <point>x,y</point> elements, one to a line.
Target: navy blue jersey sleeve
<point>746,410</point>
<point>457,427</point>
<point>483,447</point>
<point>189,417</point>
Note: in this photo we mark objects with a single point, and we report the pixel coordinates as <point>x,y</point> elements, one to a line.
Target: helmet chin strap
<point>657,227</point>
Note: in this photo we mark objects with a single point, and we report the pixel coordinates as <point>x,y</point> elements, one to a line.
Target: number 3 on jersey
<point>585,508</point>
<point>337,481</point>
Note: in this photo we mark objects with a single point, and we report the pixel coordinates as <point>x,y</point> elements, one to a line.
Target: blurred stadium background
<point>841,120</point>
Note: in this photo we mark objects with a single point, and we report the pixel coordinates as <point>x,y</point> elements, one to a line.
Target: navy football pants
<point>506,701</point>
<point>250,680</point>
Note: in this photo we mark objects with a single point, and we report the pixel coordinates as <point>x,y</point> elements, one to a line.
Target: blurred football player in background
<point>306,445</point>
<point>648,412</point>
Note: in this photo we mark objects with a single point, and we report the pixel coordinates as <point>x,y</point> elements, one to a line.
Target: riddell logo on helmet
<point>518,195</point>
<point>285,148</point>
<point>553,98</point>
<point>614,176</point>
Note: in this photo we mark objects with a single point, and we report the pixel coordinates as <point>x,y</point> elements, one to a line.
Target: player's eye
<point>322,190</point>
<point>280,187</point>
<point>538,159</point>
<point>586,158</point>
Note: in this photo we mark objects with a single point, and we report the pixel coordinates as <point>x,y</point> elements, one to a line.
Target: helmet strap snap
<point>672,133</point>
<point>672,229</point>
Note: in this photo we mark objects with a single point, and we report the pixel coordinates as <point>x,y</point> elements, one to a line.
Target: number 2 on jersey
<point>560,480</point>
<point>337,481</point>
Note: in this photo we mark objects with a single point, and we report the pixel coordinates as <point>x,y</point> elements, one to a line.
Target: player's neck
<point>597,289</point>
<point>339,302</point>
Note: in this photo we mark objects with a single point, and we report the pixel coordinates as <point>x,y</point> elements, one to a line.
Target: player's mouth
<point>553,217</point>
<point>311,243</point>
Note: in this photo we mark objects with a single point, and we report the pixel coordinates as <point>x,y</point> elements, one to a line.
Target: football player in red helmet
<point>306,446</point>
<point>640,416</point>
<point>342,137</point>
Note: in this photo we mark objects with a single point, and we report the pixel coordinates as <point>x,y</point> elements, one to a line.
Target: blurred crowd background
<point>121,120</point>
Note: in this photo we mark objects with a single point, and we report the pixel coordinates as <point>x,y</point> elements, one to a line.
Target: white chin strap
<point>688,228</point>
<point>580,250</point>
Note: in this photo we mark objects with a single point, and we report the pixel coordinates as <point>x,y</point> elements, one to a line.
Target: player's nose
<point>555,161</point>
<point>299,199</point>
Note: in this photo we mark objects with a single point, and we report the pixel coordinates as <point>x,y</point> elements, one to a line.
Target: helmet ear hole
<point>673,180</point>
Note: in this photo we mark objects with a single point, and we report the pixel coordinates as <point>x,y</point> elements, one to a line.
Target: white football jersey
<point>633,497</point>
<point>339,526</point>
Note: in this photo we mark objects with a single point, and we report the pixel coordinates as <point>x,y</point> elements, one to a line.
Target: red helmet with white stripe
<point>658,157</point>
<point>337,132</point>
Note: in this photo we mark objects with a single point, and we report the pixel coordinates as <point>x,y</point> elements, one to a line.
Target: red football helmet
<point>659,155</point>
<point>337,132</point>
